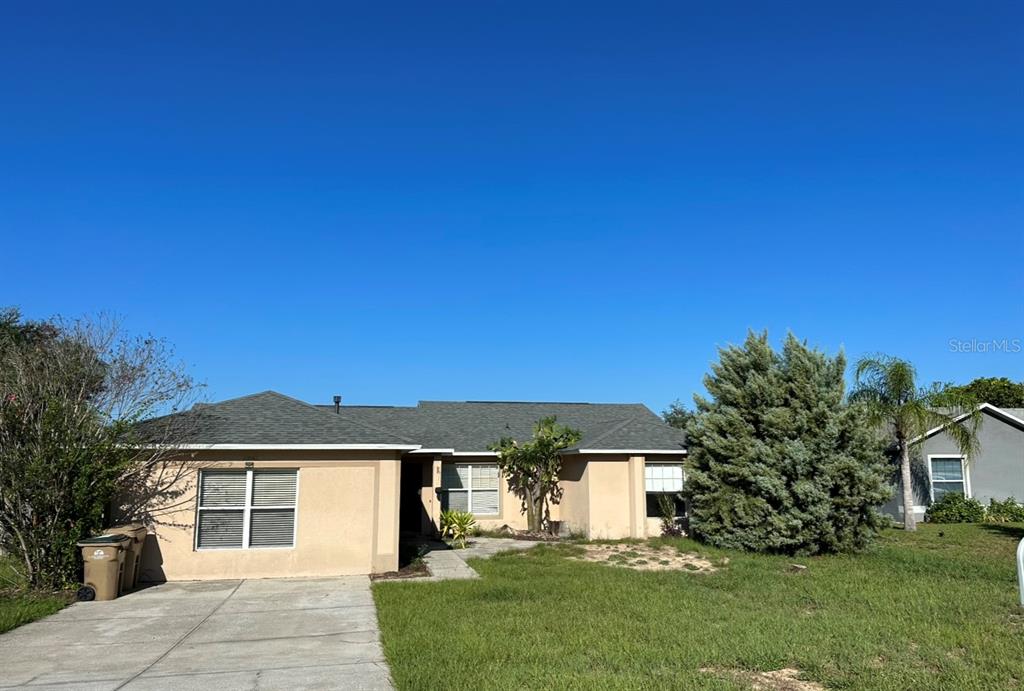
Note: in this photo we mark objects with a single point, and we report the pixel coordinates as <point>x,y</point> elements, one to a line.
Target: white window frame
<point>964,468</point>
<point>664,463</point>
<point>470,490</point>
<point>247,510</point>
<point>670,493</point>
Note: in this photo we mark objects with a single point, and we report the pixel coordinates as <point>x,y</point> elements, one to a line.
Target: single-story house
<point>995,472</point>
<point>285,488</point>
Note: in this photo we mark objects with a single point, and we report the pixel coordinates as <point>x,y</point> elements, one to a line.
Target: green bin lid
<point>104,539</point>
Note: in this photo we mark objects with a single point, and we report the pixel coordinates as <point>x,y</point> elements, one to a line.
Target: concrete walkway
<point>268,634</point>
<point>445,563</point>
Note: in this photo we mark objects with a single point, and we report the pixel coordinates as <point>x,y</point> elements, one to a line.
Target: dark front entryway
<point>413,516</point>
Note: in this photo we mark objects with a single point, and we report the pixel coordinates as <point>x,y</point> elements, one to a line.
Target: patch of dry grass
<point>646,558</point>
<point>787,679</point>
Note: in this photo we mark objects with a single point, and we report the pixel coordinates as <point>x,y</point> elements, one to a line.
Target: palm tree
<point>887,388</point>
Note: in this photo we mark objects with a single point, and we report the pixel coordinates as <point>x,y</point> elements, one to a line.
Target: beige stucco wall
<point>610,487</point>
<point>347,508</point>
<point>348,513</point>
<point>575,506</point>
<point>637,497</point>
<point>603,496</point>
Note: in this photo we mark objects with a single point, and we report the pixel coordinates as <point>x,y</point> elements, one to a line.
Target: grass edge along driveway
<point>20,606</point>
<point>932,609</point>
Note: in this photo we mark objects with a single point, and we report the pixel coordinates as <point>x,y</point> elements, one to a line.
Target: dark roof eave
<point>228,446</point>
<point>643,452</point>
<point>564,452</point>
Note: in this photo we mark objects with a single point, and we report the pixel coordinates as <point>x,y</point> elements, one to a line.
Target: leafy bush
<point>669,524</point>
<point>1007,511</point>
<point>457,526</point>
<point>954,508</point>
<point>73,455</point>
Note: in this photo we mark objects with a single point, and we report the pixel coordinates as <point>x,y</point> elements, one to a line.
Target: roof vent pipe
<point>337,404</point>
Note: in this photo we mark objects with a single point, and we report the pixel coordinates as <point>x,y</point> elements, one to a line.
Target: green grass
<point>917,610</point>
<point>20,606</point>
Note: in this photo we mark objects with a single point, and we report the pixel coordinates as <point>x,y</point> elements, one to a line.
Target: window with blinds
<point>245,509</point>
<point>471,487</point>
<point>948,476</point>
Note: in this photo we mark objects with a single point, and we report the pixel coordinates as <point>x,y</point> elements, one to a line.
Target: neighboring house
<point>996,472</point>
<point>285,488</point>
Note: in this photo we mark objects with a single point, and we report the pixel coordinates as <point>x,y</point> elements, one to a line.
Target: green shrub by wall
<point>1007,511</point>
<point>953,508</point>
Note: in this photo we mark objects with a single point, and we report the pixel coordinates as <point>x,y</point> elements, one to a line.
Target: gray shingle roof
<point>474,425</point>
<point>272,418</point>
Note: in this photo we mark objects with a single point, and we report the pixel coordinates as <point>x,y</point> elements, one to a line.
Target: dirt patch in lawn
<point>647,558</point>
<point>510,532</point>
<point>780,680</point>
<point>417,570</point>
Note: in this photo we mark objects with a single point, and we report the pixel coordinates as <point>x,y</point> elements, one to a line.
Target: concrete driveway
<point>268,634</point>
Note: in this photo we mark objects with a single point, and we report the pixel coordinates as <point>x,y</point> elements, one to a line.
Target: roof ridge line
<point>586,403</point>
<point>248,395</point>
<point>368,405</point>
<point>360,423</point>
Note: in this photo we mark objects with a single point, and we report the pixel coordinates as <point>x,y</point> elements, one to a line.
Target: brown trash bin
<point>133,558</point>
<point>104,566</point>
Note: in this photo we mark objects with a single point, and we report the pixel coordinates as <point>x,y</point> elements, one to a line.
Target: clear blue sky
<point>555,201</point>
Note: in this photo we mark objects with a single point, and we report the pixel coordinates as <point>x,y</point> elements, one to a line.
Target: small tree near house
<point>531,468</point>
<point>887,388</point>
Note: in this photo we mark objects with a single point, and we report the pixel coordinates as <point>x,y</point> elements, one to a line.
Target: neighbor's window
<point>948,477</point>
<point>243,509</point>
<point>471,487</point>
<point>663,479</point>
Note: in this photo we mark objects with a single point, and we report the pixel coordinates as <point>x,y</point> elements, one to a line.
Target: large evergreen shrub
<point>778,462</point>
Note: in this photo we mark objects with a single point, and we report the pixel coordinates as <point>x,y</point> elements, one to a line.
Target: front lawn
<point>932,609</point>
<point>19,606</point>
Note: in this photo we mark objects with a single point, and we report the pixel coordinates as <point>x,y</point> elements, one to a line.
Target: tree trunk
<point>909,522</point>
<point>532,519</point>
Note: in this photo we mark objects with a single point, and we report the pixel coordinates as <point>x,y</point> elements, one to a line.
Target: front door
<point>411,512</point>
